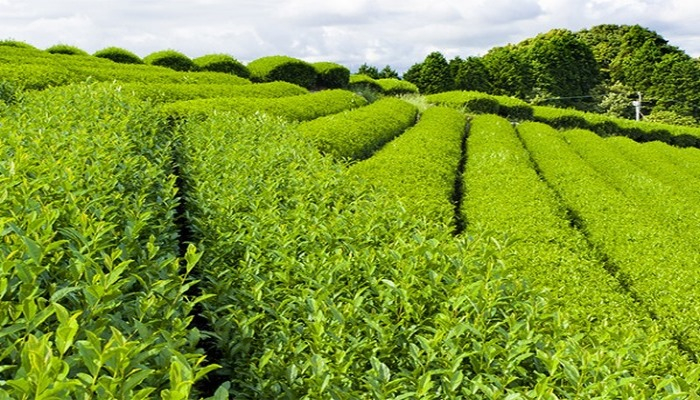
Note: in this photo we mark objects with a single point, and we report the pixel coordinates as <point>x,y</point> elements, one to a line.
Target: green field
<point>184,235</point>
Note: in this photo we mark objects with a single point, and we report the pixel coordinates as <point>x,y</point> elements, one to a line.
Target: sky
<point>398,33</point>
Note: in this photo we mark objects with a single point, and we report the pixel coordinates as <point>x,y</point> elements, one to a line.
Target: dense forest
<point>601,69</point>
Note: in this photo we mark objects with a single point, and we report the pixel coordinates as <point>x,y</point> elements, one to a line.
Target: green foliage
<point>670,118</point>
<point>643,131</point>
<point>119,55</point>
<point>482,103</point>
<point>562,65</point>
<point>357,134</point>
<point>676,86</point>
<point>17,44</point>
<point>420,166</point>
<point>621,208</point>
<point>221,63</point>
<point>292,108</point>
<point>393,86</point>
<point>473,102</point>
<point>331,75</point>
<point>172,92</point>
<point>170,59</point>
<point>435,76</point>
<point>510,71</point>
<point>368,70</point>
<point>470,74</point>
<point>283,68</point>
<point>93,291</point>
<point>66,49</point>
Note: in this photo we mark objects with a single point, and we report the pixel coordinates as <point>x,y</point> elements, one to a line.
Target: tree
<point>509,71</point>
<point>676,85</point>
<point>562,65</point>
<point>470,74</point>
<point>413,74</point>
<point>368,70</point>
<point>388,72</point>
<point>432,75</point>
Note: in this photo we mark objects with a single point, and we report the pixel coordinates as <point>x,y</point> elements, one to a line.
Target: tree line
<point>601,69</point>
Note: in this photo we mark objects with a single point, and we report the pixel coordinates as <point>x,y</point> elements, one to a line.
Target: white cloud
<point>380,32</point>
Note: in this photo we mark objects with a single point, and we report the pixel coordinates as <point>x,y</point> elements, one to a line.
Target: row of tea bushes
<point>94,298</point>
<point>421,166</point>
<point>293,108</point>
<point>358,133</point>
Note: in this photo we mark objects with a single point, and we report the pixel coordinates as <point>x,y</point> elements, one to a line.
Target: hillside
<point>199,234</point>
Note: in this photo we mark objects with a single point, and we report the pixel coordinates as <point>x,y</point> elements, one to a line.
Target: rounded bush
<point>118,55</point>
<point>222,63</point>
<point>393,86</point>
<point>283,68</point>
<point>17,43</point>
<point>170,59</point>
<point>331,75</point>
<point>66,49</point>
<point>364,82</point>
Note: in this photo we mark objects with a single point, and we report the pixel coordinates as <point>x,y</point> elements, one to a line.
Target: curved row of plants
<point>356,134</point>
<point>293,108</point>
<point>420,167</point>
<point>648,253</point>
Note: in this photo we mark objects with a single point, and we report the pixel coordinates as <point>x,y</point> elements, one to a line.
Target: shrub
<point>171,92</point>
<point>170,59</point>
<point>222,63</point>
<point>331,75</point>
<point>283,68</point>
<point>66,49</point>
<point>17,43</point>
<point>293,108</point>
<point>119,55</point>
<point>476,102</point>
<point>393,86</point>
<point>363,82</point>
<point>357,134</point>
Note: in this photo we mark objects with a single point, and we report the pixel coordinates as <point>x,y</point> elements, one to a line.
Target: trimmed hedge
<point>171,59</point>
<point>364,82</point>
<point>17,44</point>
<point>283,68</point>
<point>222,63</point>
<point>294,108</point>
<point>331,75</point>
<point>119,55</point>
<point>482,103</point>
<point>172,92</point>
<point>641,131</point>
<point>66,49</point>
<point>475,102</point>
<point>357,134</point>
<point>420,166</point>
<point>393,86</point>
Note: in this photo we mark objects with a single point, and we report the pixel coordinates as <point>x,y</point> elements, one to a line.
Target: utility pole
<point>638,107</point>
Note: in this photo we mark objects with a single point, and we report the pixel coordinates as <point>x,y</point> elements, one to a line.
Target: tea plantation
<point>193,234</point>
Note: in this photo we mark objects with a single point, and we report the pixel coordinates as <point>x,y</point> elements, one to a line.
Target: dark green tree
<point>435,76</point>
<point>413,74</point>
<point>388,72</point>
<point>562,66</point>
<point>509,71</point>
<point>369,70</point>
<point>676,85</point>
<point>470,74</point>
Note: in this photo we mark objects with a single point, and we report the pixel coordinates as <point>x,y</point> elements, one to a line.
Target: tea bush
<point>283,68</point>
<point>222,63</point>
<point>170,59</point>
<point>118,55</point>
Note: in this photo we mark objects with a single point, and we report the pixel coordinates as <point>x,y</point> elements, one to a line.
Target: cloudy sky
<point>351,32</point>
